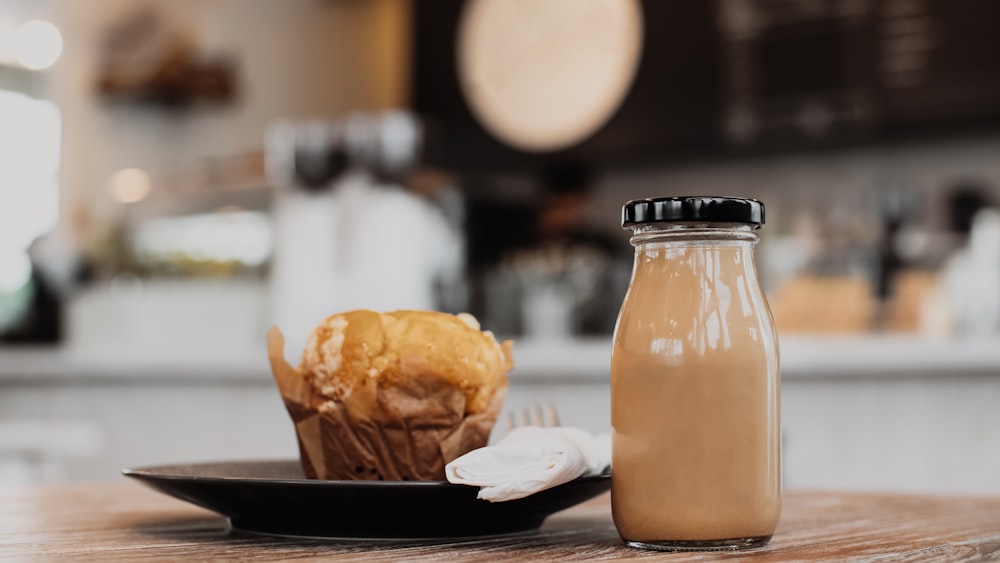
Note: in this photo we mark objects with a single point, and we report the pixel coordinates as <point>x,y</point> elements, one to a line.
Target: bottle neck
<point>714,253</point>
<point>695,234</point>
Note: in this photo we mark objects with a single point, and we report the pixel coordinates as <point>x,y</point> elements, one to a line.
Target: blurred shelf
<point>585,360</point>
<point>54,365</point>
<point>251,195</point>
<point>802,357</point>
<point>16,78</point>
<point>889,355</point>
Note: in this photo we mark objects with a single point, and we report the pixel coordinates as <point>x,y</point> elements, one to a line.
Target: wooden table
<point>124,520</point>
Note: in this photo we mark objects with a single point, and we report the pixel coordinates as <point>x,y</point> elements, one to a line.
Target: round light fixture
<point>544,75</point>
<point>130,185</point>
<point>37,44</point>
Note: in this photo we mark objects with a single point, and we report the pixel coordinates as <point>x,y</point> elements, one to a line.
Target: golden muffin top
<point>348,350</point>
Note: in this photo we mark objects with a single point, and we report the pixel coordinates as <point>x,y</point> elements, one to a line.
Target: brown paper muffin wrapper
<point>408,431</point>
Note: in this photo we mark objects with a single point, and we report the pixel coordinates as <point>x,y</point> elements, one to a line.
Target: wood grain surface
<point>125,521</point>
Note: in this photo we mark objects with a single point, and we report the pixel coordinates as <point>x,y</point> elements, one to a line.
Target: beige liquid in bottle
<point>694,391</point>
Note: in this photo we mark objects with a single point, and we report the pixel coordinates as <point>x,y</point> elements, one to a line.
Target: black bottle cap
<point>693,209</point>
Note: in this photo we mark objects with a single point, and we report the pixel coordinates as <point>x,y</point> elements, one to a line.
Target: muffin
<point>391,396</point>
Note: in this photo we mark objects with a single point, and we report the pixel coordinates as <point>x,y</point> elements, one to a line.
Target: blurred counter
<point>585,360</point>
<point>867,413</point>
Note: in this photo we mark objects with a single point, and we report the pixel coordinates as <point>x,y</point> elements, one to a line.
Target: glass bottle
<point>695,381</point>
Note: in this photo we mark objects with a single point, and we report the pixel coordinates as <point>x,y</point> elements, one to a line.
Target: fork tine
<point>536,415</point>
<point>552,415</point>
<point>537,418</point>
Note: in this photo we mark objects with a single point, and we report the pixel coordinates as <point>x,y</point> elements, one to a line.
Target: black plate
<point>272,497</point>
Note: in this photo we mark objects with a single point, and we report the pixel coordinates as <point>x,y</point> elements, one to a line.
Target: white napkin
<point>530,459</point>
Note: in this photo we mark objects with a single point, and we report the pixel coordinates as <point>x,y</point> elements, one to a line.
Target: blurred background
<point>178,175</point>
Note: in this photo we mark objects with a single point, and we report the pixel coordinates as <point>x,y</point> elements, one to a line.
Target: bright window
<point>29,190</point>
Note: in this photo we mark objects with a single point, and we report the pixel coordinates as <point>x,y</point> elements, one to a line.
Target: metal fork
<point>535,415</point>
